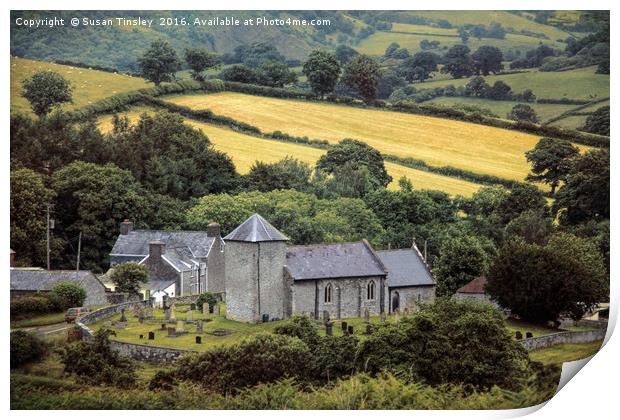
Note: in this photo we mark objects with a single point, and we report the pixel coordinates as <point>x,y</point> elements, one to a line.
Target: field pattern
<point>437,141</point>
<point>88,85</point>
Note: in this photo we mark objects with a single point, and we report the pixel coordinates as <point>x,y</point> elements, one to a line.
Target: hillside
<point>88,85</point>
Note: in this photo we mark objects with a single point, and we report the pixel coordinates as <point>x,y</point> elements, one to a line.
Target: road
<point>45,330</point>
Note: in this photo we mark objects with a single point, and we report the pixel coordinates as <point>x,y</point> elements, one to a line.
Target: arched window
<point>328,293</point>
<point>370,290</point>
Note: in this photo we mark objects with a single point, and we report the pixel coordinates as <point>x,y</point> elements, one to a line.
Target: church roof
<point>406,267</point>
<point>255,229</point>
<point>325,261</point>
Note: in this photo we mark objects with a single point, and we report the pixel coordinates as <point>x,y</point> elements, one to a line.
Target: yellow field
<point>437,141</point>
<point>88,85</point>
<point>245,150</point>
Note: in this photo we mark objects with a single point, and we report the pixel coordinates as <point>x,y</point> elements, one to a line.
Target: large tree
<point>361,74</point>
<point>159,63</point>
<point>457,62</point>
<point>199,61</point>
<point>358,154</point>
<point>586,193</point>
<point>275,73</point>
<point>419,67</point>
<point>550,161</point>
<point>288,173</point>
<point>322,70</point>
<point>565,277</point>
<point>523,112</point>
<point>46,90</point>
<point>598,122</point>
<point>344,53</point>
<point>129,277</point>
<point>487,60</point>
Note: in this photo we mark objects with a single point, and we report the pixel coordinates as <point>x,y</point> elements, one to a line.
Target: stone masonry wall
<point>562,338</point>
<point>99,314</point>
<point>272,257</point>
<point>216,267</point>
<point>148,353</point>
<point>241,284</point>
<point>410,296</point>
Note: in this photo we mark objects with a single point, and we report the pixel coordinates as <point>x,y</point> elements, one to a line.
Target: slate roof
<point>352,259</point>
<point>160,284</point>
<point>181,258</point>
<point>476,286</point>
<point>137,242</point>
<point>406,267</point>
<point>255,229</point>
<point>43,280</point>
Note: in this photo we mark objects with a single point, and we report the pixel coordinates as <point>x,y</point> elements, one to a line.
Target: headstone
<point>397,316</point>
<point>163,327</point>
<point>528,334</point>
<point>205,308</point>
<point>216,309</point>
<point>344,325</point>
<point>329,329</point>
<point>172,332</point>
<point>366,315</point>
<point>350,329</point>
<point>141,336</point>
<point>406,311</point>
<point>167,314</point>
<point>151,335</point>
<point>138,311</point>
<point>325,317</point>
<point>368,329</point>
<point>199,326</point>
<point>383,317</point>
<point>198,339</point>
<point>192,307</point>
<point>518,335</point>
<point>123,317</point>
<point>141,319</point>
<point>189,316</point>
<point>149,313</point>
<point>173,317</point>
<point>180,326</point>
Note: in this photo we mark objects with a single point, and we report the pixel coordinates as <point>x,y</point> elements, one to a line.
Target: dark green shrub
<point>262,359</point>
<point>25,348</point>
<point>32,305</point>
<point>302,327</point>
<point>164,380</point>
<point>67,295</point>
<point>96,363</point>
<point>334,357</point>
<point>207,297</point>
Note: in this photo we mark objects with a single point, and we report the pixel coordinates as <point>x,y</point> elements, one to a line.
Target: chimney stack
<point>156,250</point>
<point>126,227</point>
<point>213,229</point>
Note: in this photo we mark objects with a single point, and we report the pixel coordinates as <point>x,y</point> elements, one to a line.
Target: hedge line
<point>575,111</point>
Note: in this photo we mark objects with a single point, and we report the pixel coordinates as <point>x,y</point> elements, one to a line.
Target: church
<point>263,278</point>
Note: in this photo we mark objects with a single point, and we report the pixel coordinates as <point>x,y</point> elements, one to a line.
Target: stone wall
<point>241,281</point>
<point>562,338</point>
<point>99,314</point>
<point>216,267</point>
<point>189,299</point>
<point>410,297</point>
<point>148,353</point>
<point>271,260</point>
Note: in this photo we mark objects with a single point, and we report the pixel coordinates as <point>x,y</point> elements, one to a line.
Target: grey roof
<point>352,259</point>
<point>137,242</point>
<point>180,258</point>
<point>160,284</point>
<point>42,280</point>
<point>255,229</point>
<point>406,267</point>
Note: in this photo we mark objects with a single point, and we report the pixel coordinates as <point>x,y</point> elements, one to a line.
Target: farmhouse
<point>265,279</point>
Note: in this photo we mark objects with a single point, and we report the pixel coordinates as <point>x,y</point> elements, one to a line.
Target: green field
<point>423,29</point>
<point>89,86</point>
<point>565,352</point>
<point>437,141</point>
<point>502,108</point>
<point>573,122</point>
<point>572,84</point>
<point>245,150</point>
<point>40,320</point>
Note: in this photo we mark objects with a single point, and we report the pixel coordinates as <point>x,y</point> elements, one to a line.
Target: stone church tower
<point>255,258</point>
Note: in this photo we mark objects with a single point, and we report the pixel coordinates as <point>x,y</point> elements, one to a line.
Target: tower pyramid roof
<point>256,229</point>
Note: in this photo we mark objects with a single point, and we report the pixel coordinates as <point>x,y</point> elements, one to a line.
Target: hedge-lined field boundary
<point>575,111</point>
<point>121,102</point>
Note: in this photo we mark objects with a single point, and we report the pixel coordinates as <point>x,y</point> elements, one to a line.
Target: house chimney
<point>12,258</point>
<point>156,250</point>
<point>213,229</point>
<point>126,227</point>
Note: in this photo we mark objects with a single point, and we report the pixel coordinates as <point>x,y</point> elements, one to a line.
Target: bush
<point>25,347</point>
<point>207,297</point>
<point>333,357</point>
<point>67,295</point>
<point>32,305</point>
<point>129,277</point>
<point>302,327</point>
<point>96,363</point>
<point>262,359</point>
<point>164,380</point>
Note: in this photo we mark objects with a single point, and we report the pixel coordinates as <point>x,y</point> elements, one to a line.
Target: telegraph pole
<point>77,267</point>
<point>48,237</point>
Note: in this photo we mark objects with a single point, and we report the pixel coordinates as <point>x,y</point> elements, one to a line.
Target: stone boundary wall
<point>189,299</point>
<point>571,337</point>
<point>146,353</point>
<point>108,311</point>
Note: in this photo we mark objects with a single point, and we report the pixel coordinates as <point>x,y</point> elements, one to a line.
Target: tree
<point>129,277</point>
<point>277,74</point>
<point>322,70</point>
<point>533,226</point>
<point>390,81</point>
<point>200,60</point>
<point>458,62</point>
<point>586,192</point>
<point>522,197</point>
<point>461,259</point>
<point>550,161</point>
<point>464,35</point>
<point>29,198</point>
<point>239,73</point>
<point>598,122</point>
<point>522,112</point>
<point>488,60</point>
<point>344,53</point>
<point>67,295</point>
<point>499,91</point>
<point>358,154</point>
<point>565,277</point>
<point>362,74</point>
<point>420,66</point>
<point>478,87</point>
<point>288,173</point>
<point>46,90</point>
<point>159,63</point>
<point>391,49</point>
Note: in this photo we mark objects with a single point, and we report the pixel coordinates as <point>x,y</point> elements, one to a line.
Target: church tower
<point>255,258</point>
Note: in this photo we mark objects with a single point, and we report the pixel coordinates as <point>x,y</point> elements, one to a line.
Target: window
<point>370,291</point>
<point>328,294</point>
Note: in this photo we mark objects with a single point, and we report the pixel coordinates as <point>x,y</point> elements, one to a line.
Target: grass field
<point>437,141</point>
<point>573,84</point>
<point>502,108</point>
<point>573,122</point>
<point>40,320</point>
<point>565,352</point>
<point>88,85</point>
<point>245,150</point>
<point>422,29</point>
